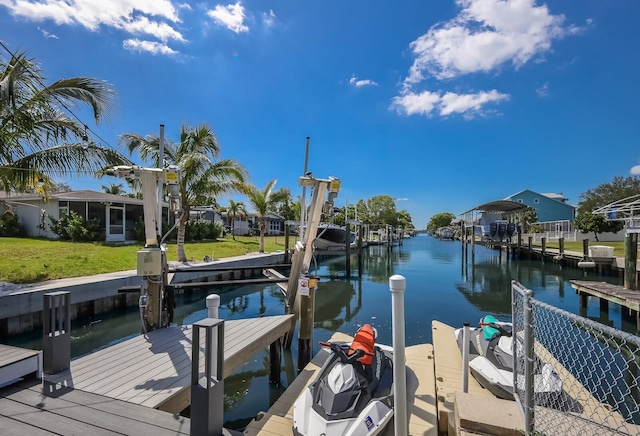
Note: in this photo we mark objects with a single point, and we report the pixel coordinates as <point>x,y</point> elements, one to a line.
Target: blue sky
<point>441,104</point>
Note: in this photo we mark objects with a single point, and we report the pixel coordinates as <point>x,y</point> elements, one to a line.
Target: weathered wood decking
<point>24,410</point>
<point>420,386</point>
<point>607,292</point>
<point>16,362</point>
<point>154,370</point>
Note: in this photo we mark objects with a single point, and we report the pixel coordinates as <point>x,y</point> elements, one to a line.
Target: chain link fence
<point>572,375</point>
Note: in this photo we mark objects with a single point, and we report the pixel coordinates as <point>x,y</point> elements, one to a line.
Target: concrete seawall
<point>21,309</point>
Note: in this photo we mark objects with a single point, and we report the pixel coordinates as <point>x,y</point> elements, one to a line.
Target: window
<point>519,200</point>
<point>536,200</point>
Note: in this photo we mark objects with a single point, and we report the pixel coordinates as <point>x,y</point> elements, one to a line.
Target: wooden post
<point>584,299</point>
<point>529,245</point>
<point>305,332</point>
<point>561,246</point>
<point>630,261</point>
<point>360,237</point>
<point>286,242</point>
<point>347,250</point>
<point>585,249</point>
<point>275,359</point>
<point>544,247</point>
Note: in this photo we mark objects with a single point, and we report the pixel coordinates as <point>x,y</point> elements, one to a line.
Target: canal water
<point>442,284</point>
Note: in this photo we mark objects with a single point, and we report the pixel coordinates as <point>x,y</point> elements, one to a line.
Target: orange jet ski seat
<point>365,341</point>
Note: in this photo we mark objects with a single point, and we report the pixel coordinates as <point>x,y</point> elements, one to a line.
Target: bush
<point>72,227</point>
<point>9,225</point>
<point>195,231</point>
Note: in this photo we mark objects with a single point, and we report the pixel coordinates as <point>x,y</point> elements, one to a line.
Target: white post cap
<point>397,283</point>
<point>213,300</point>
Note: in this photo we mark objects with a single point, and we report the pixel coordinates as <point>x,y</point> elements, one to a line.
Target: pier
<point>606,292</point>
<point>154,370</point>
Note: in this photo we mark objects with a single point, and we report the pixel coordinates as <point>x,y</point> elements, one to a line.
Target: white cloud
<point>427,103</point>
<point>139,17</point>
<point>635,170</point>
<point>543,91</point>
<point>47,34</point>
<point>152,47</point>
<point>485,35</point>
<point>269,18</point>
<point>231,17</point>
<point>359,83</point>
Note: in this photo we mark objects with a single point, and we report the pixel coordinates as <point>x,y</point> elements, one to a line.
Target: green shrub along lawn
<point>27,260</point>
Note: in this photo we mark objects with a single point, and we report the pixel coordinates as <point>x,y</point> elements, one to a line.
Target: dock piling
<point>630,261</point>
<point>305,333</point>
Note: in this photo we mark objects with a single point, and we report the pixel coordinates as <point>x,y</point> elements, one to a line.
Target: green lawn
<point>618,247</point>
<point>26,260</point>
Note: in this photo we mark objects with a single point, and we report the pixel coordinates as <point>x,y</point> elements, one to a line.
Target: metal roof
<point>499,206</point>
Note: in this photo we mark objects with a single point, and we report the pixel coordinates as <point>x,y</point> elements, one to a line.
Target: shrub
<point>72,227</point>
<point>9,225</point>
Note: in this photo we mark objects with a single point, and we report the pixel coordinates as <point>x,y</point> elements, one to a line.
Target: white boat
<point>333,237</point>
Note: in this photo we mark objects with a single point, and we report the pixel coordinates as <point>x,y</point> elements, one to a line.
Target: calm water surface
<point>441,286</point>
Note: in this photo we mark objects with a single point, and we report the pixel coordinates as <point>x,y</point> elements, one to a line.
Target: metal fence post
<point>207,391</point>
<point>56,328</point>
<point>528,362</point>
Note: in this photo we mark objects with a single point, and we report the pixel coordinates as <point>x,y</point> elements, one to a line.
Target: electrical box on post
<point>149,262</point>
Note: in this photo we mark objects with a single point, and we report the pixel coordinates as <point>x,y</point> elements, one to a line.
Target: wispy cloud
<point>635,170</point>
<point>47,34</point>
<point>269,18</point>
<point>543,91</point>
<point>359,83</point>
<point>230,16</point>
<point>485,36</point>
<point>153,47</point>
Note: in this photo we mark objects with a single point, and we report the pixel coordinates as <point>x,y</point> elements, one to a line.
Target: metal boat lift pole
<point>303,202</point>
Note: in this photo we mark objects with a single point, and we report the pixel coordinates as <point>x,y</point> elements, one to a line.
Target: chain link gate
<point>598,368</point>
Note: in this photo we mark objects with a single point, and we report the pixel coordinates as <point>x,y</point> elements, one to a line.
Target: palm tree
<point>235,210</point>
<point>39,137</point>
<point>112,188</point>
<point>201,174</point>
<point>264,201</point>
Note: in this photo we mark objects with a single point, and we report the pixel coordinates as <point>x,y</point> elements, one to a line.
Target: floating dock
<point>420,387</point>
<point>154,370</point>
<point>18,362</point>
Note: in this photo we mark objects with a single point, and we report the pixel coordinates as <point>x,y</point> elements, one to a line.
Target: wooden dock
<point>24,410</point>
<point>607,292</point>
<point>154,370</point>
<point>420,385</point>
<point>17,362</point>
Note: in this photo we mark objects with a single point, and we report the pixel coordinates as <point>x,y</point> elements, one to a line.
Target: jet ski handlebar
<point>497,326</point>
<point>342,350</point>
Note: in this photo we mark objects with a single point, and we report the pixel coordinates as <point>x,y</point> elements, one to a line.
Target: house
<point>116,214</point>
<point>549,207</point>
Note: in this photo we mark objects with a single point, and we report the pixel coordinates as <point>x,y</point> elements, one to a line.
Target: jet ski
<point>491,361</point>
<point>353,394</point>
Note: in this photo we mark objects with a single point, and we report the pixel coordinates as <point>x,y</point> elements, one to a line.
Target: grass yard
<point>26,260</point>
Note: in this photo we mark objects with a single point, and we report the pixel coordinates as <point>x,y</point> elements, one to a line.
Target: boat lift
<point>157,300</point>
<point>302,253</point>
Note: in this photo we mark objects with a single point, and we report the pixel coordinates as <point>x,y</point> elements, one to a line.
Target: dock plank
<point>617,294</point>
<point>154,370</point>
<point>68,411</point>
<point>448,372</point>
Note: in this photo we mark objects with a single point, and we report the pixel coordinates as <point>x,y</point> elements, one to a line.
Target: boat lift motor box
<point>600,251</point>
<point>149,262</point>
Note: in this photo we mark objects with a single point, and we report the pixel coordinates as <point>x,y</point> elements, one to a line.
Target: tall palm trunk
<point>182,230</point>
<point>263,229</point>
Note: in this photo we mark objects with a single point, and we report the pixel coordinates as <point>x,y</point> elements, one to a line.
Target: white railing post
<point>397,285</point>
<point>465,357</point>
